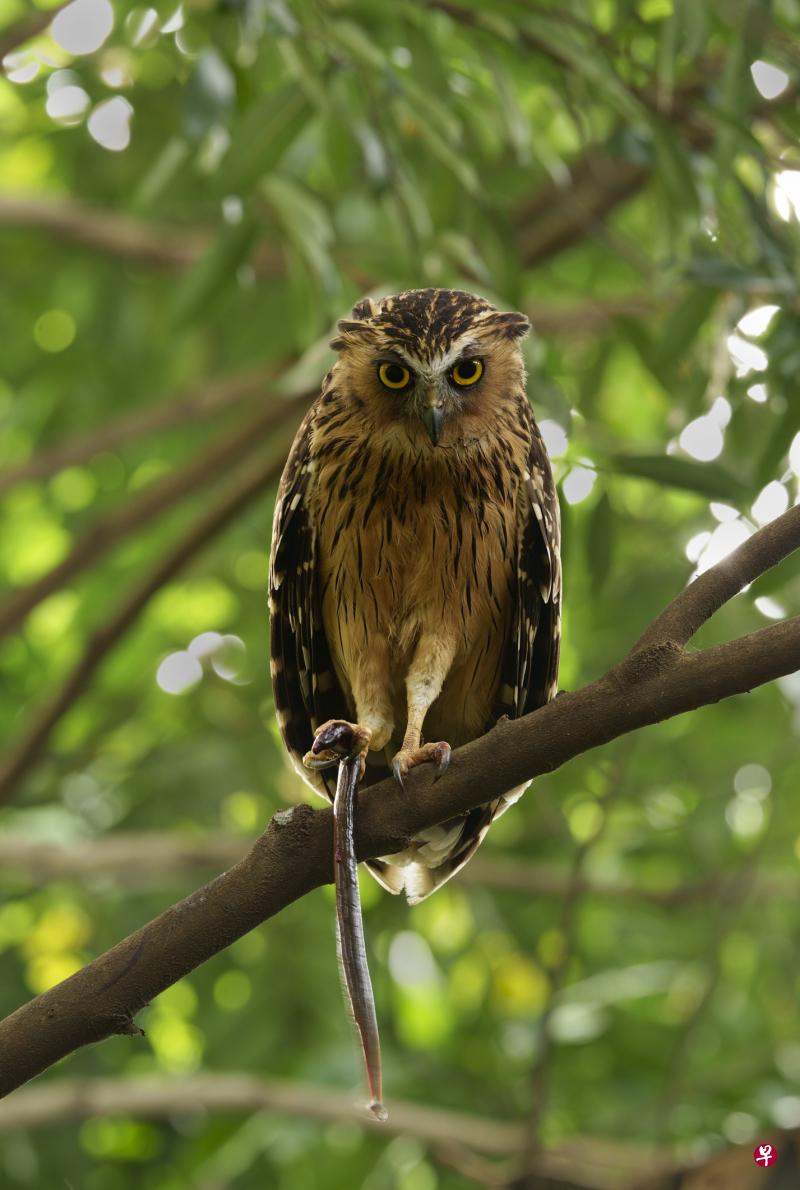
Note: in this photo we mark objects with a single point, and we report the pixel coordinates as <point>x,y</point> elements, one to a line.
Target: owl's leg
<point>433,658</point>
<point>339,738</point>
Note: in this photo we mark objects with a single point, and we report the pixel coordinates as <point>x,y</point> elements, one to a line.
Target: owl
<point>415,578</point>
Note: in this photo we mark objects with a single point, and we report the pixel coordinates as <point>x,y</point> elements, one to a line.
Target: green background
<point>610,168</point>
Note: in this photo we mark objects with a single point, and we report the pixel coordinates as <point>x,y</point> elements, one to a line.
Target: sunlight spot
<point>228,660</point>
<point>724,540</point>
<point>746,356</point>
<point>21,67</point>
<point>83,26</point>
<point>722,512</point>
<point>117,69</point>
<point>205,644</point>
<point>175,22</point>
<point>232,209</point>
<point>555,438</point>
<point>578,484</point>
<point>142,27</point>
<point>794,455</point>
<point>109,124</point>
<point>410,960</point>
<point>756,322</point>
<point>770,81</point>
<point>54,330</point>
<point>178,672</point>
<point>702,439</point>
<point>695,545</point>
<point>67,105</point>
<point>758,393</point>
<point>745,818</point>
<point>770,608</point>
<point>770,503</point>
<point>721,412</point>
<point>401,56</point>
<point>753,781</point>
<point>786,195</point>
<point>739,1127</point>
<point>786,1111</point>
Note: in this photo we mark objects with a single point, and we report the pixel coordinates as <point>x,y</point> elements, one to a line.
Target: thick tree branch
<point>294,855</point>
<point>109,531</point>
<point>28,748</point>
<point>149,859</point>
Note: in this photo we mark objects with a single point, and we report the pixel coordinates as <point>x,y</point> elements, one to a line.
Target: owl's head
<point>434,358</point>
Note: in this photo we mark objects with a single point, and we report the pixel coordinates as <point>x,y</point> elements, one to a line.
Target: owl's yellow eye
<point>394,375</point>
<point>467,371</point>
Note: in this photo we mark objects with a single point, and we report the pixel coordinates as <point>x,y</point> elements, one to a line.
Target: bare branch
<point>147,859</point>
<point>115,233</point>
<point>194,404</point>
<point>697,603</point>
<point>109,531</point>
<point>249,484</point>
<point>16,35</point>
<point>590,1161</point>
<point>294,855</point>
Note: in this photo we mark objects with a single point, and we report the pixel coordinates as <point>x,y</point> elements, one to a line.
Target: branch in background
<point>150,859</point>
<point>115,233</point>
<point>28,749</point>
<point>294,854</point>
<point>15,36</point>
<point>591,1162</point>
<point>192,405</point>
<point>109,531</point>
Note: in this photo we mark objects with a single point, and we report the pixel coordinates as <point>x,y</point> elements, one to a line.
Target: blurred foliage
<point>206,189</point>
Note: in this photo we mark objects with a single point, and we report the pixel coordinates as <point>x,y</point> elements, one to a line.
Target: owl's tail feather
<point>438,853</point>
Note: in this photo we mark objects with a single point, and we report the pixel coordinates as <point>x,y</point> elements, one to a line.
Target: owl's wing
<point>530,665</point>
<point>304,685</point>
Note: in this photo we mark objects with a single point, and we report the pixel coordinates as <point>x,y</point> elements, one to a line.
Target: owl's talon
<point>338,740</point>
<point>441,758</point>
<point>407,759</point>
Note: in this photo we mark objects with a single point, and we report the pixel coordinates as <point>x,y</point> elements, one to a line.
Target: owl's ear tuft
<point>353,331</point>
<point>507,324</point>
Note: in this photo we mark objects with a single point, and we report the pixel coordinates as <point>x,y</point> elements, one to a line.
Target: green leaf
<point>707,479</point>
<point>215,272</point>
<point>260,138</point>
<point>209,94</point>
<point>600,540</point>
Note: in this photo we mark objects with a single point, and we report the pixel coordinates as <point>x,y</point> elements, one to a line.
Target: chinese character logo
<point>765,1155</point>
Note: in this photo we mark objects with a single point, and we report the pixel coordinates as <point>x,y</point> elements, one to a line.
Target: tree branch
<point>251,483</point>
<point>143,860</point>
<point>196,403</point>
<point>16,35</point>
<point>591,1162</point>
<point>109,531</point>
<point>294,854</point>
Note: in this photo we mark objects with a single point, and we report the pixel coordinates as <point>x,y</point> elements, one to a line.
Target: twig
<point>28,748</point>
<point>111,530</point>
<point>294,854</point>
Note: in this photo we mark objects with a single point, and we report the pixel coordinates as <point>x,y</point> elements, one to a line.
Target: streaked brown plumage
<point>415,581</point>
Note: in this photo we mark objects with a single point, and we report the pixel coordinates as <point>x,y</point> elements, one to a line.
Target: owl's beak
<point>432,416</point>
